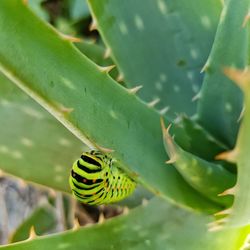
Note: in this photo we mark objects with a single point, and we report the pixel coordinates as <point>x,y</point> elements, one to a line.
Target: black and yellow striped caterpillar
<point>95,180</point>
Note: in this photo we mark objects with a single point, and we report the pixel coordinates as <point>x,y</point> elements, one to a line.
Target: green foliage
<point>165,227</point>
<point>89,103</point>
<point>230,49</point>
<point>162,45</point>
<point>32,141</point>
<point>176,37</point>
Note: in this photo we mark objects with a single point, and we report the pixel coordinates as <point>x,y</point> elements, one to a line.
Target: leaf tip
<point>168,142</point>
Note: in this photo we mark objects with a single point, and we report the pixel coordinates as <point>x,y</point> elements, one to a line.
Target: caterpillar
<point>95,180</point>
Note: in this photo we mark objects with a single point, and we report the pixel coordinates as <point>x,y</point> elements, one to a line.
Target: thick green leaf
<point>166,227</point>
<point>36,6</point>
<point>221,101</point>
<point>96,53</point>
<point>43,219</point>
<point>239,214</point>
<point>208,178</point>
<point>88,102</point>
<point>78,9</point>
<point>33,145</point>
<point>195,139</point>
<point>160,44</point>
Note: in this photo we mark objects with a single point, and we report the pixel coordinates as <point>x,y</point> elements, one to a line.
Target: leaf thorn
<point>153,103</point>
<point>107,53</point>
<point>229,156</point>
<point>32,233</point>
<point>246,19</point>
<point>71,38</point>
<point>93,25</point>
<point>76,224</point>
<point>134,90</point>
<point>101,218</point>
<point>230,191</point>
<point>106,69</point>
<point>120,78</point>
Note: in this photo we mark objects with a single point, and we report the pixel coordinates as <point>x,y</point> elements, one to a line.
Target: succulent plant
<point>174,113</point>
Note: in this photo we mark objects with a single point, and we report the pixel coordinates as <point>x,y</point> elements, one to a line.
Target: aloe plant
<point>177,125</point>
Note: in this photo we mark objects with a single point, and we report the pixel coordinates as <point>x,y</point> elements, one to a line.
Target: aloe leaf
<point>195,139</point>
<point>33,145</point>
<point>78,9</point>
<point>88,102</point>
<point>220,104</point>
<point>36,6</point>
<point>208,178</point>
<point>97,54</point>
<point>43,219</point>
<point>168,41</point>
<point>239,213</point>
<point>166,227</point>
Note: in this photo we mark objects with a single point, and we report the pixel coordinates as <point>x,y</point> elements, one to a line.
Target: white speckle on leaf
<point>195,178</point>
<point>158,86</point>
<point>139,22</point>
<point>206,22</point>
<point>4,149</point>
<point>113,114</point>
<point>32,112</point>
<point>5,102</point>
<point>148,242</point>
<point>64,142</point>
<point>67,83</point>
<point>195,88</point>
<point>58,168</point>
<point>136,228</point>
<point>176,88</point>
<point>123,28</point>
<point>190,75</point>
<point>183,166</point>
<point>58,178</point>
<point>26,142</point>
<point>163,77</point>
<point>194,53</point>
<point>16,154</point>
<point>228,107</point>
<point>209,170</point>
<point>162,7</point>
<point>64,246</point>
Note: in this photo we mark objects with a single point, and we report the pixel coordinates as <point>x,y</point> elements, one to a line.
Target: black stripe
<point>83,188</point>
<point>90,160</point>
<point>80,179</point>
<point>89,202</point>
<point>86,169</point>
